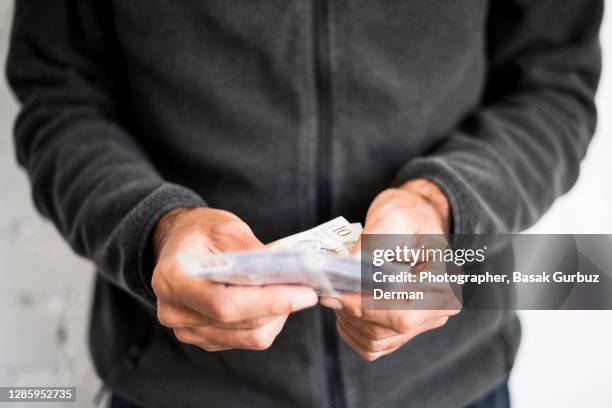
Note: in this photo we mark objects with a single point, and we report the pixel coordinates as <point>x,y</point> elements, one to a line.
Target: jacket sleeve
<point>506,163</point>
<point>89,175</point>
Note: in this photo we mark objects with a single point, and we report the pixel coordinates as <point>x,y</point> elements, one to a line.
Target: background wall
<point>44,288</point>
<point>565,359</point>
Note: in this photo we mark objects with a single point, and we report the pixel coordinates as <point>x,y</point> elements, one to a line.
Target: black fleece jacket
<point>289,112</point>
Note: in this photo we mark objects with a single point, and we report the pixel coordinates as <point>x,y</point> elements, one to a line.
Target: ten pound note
<point>317,257</point>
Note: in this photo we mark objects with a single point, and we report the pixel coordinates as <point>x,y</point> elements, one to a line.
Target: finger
<point>398,321</point>
<point>368,343</point>
<point>376,332</point>
<point>185,335</point>
<point>249,339</point>
<point>363,353</point>
<point>231,304</point>
<point>371,349</point>
<point>369,329</point>
<point>179,316</point>
<point>208,347</point>
<point>350,304</point>
<point>406,321</point>
<point>213,349</point>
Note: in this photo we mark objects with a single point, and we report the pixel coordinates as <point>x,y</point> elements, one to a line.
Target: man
<point>153,128</point>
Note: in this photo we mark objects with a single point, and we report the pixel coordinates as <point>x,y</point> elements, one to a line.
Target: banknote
<point>335,237</point>
<point>318,257</point>
<point>326,273</point>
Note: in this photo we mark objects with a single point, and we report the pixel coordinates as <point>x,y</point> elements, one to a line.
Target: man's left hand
<point>417,207</point>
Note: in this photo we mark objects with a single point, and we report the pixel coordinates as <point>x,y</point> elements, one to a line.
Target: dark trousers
<point>499,397</point>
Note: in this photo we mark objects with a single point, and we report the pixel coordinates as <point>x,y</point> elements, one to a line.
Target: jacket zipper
<point>323,105</point>
<point>322,68</point>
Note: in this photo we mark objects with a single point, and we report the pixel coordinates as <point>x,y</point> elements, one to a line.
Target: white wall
<point>566,357</point>
<point>565,360</point>
<point>44,288</point>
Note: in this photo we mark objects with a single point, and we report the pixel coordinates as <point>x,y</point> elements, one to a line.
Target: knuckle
<point>375,346</point>
<point>224,311</point>
<point>210,348</point>
<point>182,336</point>
<point>359,313</point>
<point>388,206</point>
<point>165,316</point>
<point>163,274</point>
<point>441,322</point>
<point>405,323</point>
<point>227,227</point>
<point>376,334</point>
<point>260,341</point>
<point>225,215</point>
<point>256,322</point>
<point>455,312</point>
<point>157,283</point>
<point>221,228</point>
<point>369,357</point>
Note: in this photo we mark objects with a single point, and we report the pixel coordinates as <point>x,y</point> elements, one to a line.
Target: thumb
<point>249,241</point>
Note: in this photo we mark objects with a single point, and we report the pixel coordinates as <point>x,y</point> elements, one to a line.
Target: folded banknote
<point>318,257</point>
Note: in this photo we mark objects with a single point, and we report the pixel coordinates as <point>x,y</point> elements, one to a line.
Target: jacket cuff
<point>437,171</point>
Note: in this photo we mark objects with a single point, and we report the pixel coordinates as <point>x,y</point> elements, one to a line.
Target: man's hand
<point>418,207</point>
<point>210,315</point>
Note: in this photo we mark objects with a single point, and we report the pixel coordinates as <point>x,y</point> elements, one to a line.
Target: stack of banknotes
<point>318,257</point>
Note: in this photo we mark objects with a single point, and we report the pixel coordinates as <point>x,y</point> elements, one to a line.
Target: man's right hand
<point>210,315</point>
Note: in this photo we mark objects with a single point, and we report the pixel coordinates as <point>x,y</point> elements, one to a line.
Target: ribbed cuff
<point>441,174</point>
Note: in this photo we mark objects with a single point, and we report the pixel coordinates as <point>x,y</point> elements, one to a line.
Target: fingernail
<point>331,303</point>
<point>304,301</point>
